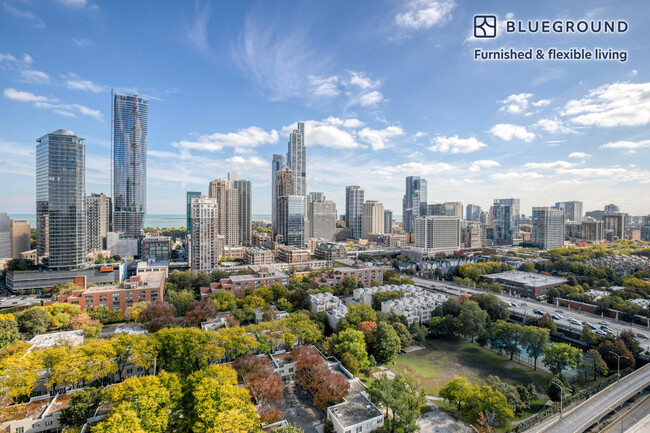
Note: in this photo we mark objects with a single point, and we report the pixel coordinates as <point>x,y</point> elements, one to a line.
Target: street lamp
<point>561,396</point>
<point>618,368</point>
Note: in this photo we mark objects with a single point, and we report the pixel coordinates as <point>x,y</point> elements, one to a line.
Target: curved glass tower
<point>130,122</point>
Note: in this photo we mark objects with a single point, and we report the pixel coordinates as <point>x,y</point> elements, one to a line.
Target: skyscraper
<point>322,217</point>
<point>60,199</point>
<point>98,214</point>
<point>372,219</point>
<point>501,217</point>
<point>188,213</point>
<point>614,225</point>
<point>388,221</point>
<point>20,237</point>
<point>276,165</point>
<point>130,124</point>
<point>473,212</point>
<point>206,244</point>
<point>244,207</point>
<point>437,233</point>
<point>283,186</point>
<point>317,196</point>
<point>291,219</point>
<point>228,204</point>
<point>414,203</point>
<point>5,237</point>
<point>513,224</point>
<point>354,209</point>
<point>612,208</point>
<point>453,208</point>
<point>548,227</point>
<point>572,210</point>
<point>297,160</point>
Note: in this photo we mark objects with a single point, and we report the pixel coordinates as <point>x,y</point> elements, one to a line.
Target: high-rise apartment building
<point>130,128</point>
<point>473,212</point>
<point>548,227</point>
<point>414,203</point>
<point>228,204</point>
<point>188,212</point>
<point>454,208</point>
<point>317,196</point>
<point>244,207</point>
<point>60,200</point>
<point>438,233</point>
<point>572,210</point>
<point>614,225</point>
<point>354,209</point>
<point>291,220</point>
<point>471,234</point>
<point>283,186</point>
<point>206,244</point>
<point>98,217</point>
<point>277,164</point>
<point>20,237</point>
<point>388,221</point>
<point>436,209</point>
<point>297,159</point>
<point>612,208</point>
<point>592,231</point>
<point>372,220</point>
<point>5,236</point>
<point>501,221</point>
<point>322,218</point>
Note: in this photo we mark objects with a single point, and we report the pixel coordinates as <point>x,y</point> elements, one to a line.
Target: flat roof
<point>355,409</point>
<point>56,338</point>
<point>149,280</point>
<point>527,278</point>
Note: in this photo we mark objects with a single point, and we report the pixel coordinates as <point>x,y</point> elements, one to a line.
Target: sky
<point>387,89</point>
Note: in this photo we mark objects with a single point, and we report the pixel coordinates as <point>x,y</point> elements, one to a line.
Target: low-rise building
<point>365,294</point>
<point>258,256</point>
<point>330,251</point>
<point>293,255</point>
<point>21,281</point>
<point>365,276</point>
<point>29,255</point>
<point>416,309</point>
<point>525,284</point>
<point>355,414</point>
<point>156,248</point>
<point>234,252</point>
<point>145,287</point>
<point>40,414</point>
<point>311,265</point>
<point>319,302</point>
<point>241,285</point>
<point>335,315</point>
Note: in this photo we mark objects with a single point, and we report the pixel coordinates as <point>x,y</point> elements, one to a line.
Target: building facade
<point>372,220</point>
<point>277,164</point>
<point>291,220</point>
<point>98,219</point>
<point>322,219</point>
<point>592,231</point>
<point>414,203</point>
<point>473,212</point>
<point>388,221</point>
<point>188,212</point>
<point>244,207</point>
<point>20,233</point>
<point>60,199</point>
<point>614,225</point>
<point>437,233</point>
<point>548,227</point>
<point>297,159</point>
<point>354,198</point>
<point>156,248</point>
<point>206,244</point>
<point>228,205</point>
<point>5,237</point>
<point>572,210</point>
<point>130,130</point>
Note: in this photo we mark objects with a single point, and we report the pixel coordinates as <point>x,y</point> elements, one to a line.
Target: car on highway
<point>602,322</point>
<point>557,310</point>
<point>600,332</point>
<point>640,335</point>
<point>512,304</point>
<point>592,327</point>
<point>556,317</point>
<point>574,321</point>
<point>539,313</point>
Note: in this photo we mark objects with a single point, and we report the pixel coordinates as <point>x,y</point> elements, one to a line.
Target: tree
<point>369,330</point>
<point>19,372</point>
<point>493,405</point>
<point>201,311</point>
<point>556,389</point>
<point>9,333</point>
<point>447,326</point>
<point>630,341</point>
<point>387,343</point>
<point>473,319</point>
<point>326,386</point>
<point>349,284</point>
<point>82,406</point>
<point>607,347</point>
<point>497,309</point>
<point>357,314</point>
<point>121,419</point>
<point>380,297</point>
<point>184,350</point>
<point>559,356</point>
<point>33,321</point>
<point>544,321</point>
<point>352,341</point>
<point>224,301</point>
<point>519,397</point>
<point>350,362</point>
<point>419,332</point>
<point>534,340</point>
<point>236,342</point>
<point>159,315</point>
<point>403,333</point>
<point>305,329</point>
<point>182,300</point>
<point>264,384</point>
<point>505,336</point>
<point>597,363</point>
<point>456,391</point>
<point>284,305</point>
<point>588,336</point>
<point>402,397</point>
<point>80,321</point>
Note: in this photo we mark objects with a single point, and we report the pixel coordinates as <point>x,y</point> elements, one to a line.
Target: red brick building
<point>241,285</point>
<point>145,287</point>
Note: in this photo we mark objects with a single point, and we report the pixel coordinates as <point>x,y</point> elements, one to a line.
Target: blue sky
<point>387,88</point>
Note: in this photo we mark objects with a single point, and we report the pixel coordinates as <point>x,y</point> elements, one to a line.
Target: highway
<point>526,308</point>
<point>588,412</point>
<point>635,419</point>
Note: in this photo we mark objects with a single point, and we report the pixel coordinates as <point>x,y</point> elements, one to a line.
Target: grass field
<point>441,360</point>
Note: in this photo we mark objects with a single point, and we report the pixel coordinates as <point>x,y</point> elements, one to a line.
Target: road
<point>636,419</point>
<point>585,414</point>
<point>525,307</point>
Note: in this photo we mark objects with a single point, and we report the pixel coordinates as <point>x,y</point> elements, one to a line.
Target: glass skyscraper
<point>188,215</point>
<point>354,199</point>
<point>130,122</point>
<point>297,159</point>
<point>414,203</point>
<point>291,216</point>
<point>60,199</point>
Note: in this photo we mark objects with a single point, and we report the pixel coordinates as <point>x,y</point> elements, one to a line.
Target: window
<point>20,429</point>
<point>359,429</point>
<point>48,422</point>
<point>369,426</point>
<point>37,425</point>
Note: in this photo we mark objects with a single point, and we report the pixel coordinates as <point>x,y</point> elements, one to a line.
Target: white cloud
<point>329,135</point>
<point>423,169</point>
<point>241,140</point>
<point>197,31</point>
<point>579,155</point>
<point>617,104</point>
<point>456,145</point>
<point>27,14</point>
<point>19,95</point>
<point>549,165</point>
<point>74,82</point>
<point>360,79</point>
<point>423,14</point>
<point>14,61</point>
<point>554,126</point>
<point>483,163</point>
<point>380,138</point>
<point>507,131</point>
<point>630,145</point>
<point>34,77</point>
<point>248,163</point>
<point>520,102</point>
<point>83,42</point>
<point>371,98</point>
<point>515,175</point>
<point>324,86</point>
<point>74,3</point>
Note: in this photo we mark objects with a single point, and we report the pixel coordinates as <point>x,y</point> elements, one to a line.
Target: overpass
<point>591,411</point>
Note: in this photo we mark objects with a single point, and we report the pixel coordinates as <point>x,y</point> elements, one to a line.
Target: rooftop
<point>152,280</point>
<point>355,409</point>
<point>57,338</point>
<point>528,278</point>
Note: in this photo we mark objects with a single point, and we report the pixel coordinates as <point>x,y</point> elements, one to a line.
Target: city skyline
<point>544,133</point>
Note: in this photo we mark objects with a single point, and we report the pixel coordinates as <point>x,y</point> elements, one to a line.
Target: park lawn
<point>443,359</point>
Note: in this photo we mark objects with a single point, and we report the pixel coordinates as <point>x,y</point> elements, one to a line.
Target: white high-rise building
<point>206,244</point>
<point>548,227</point>
<point>297,159</point>
<point>98,218</point>
<point>572,210</point>
<point>322,218</point>
<point>372,220</point>
<point>438,233</point>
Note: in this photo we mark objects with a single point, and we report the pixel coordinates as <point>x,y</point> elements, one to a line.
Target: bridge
<point>595,408</point>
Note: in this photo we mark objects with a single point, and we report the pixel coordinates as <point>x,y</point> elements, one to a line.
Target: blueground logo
<point>485,26</point>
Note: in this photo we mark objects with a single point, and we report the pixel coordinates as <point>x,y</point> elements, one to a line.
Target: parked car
<point>602,322</point>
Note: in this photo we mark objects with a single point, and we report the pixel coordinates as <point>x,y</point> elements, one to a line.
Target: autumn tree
<point>19,372</point>
<point>618,347</point>
<point>492,404</point>
<point>184,350</point>
<point>401,396</point>
<point>82,406</point>
<point>326,386</point>
<point>9,333</point>
<point>588,336</point>
<point>357,314</point>
<point>159,315</point>
<point>264,384</point>
<point>201,311</point>
<point>596,363</point>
